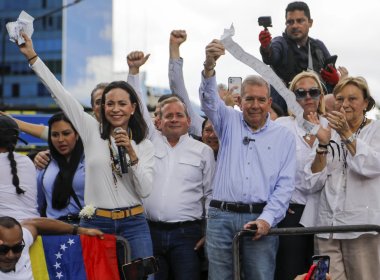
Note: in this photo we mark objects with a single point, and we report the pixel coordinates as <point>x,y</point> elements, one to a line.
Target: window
<point>15,90</point>
<point>42,91</point>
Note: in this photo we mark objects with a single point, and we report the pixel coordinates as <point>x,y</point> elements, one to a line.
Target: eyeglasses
<point>16,249</point>
<point>302,93</point>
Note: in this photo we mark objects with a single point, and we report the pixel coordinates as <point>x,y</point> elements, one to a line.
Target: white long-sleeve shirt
<point>183,175</point>
<point>100,189</point>
<point>19,206</point>
<point>303,156</point>
<point>348,196</point>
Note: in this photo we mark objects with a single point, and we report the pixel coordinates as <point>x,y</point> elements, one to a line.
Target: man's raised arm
<point>176,80</point>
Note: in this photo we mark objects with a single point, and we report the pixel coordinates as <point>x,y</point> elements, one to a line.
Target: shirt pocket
<point>190,168</point>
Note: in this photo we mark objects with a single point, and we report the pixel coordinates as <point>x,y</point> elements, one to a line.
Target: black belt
<point>256,208</point>
<point>71,218</point>
<point>296,206</point>
<point>175,225</point>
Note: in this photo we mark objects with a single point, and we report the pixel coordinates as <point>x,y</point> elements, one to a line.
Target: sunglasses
<point>16,249</point>
<point>302,93</point>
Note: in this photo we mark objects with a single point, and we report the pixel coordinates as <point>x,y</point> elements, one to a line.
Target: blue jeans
<point>258,257</point>
<point>134,228</point>
<point>175,251</point>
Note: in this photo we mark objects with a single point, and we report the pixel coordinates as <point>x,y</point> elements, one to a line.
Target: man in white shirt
<point>181,187</point>
<point>16,238</point>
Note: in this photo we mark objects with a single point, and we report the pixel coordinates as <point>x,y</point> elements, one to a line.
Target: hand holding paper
<point>24,24</point>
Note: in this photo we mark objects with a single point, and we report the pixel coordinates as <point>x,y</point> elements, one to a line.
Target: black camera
<point>265,22</point>
<point>330,61</point>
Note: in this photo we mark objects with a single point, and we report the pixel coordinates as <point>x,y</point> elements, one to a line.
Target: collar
<point>266,124</point>
<point>182,138</point>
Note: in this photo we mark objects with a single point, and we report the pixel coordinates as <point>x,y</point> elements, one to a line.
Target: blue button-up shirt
<point>262,170</point>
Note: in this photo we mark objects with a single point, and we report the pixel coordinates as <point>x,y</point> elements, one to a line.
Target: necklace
<point>364,121</point>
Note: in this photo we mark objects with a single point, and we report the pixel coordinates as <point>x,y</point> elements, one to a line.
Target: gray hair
<point>254,80</point>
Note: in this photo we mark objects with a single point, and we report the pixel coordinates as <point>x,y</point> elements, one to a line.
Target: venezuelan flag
<point>74,257</point>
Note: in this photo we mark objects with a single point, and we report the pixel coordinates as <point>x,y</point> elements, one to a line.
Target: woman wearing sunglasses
<point>346,169</point>
<point>18,188</point>
<point>61,183</point>
<point>295,252</point>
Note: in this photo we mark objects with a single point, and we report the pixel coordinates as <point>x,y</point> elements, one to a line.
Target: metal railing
<point>294,231</point>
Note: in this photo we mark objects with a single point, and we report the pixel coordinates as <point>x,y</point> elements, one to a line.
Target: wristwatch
<point>350,139</point>
<point>75,229</point>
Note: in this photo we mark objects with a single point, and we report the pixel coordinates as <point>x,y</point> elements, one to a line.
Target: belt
<point>256,208</point>
<point>296,206</point>
<point>69,218</point>
<point>117,214</point>
<point>175,225</point>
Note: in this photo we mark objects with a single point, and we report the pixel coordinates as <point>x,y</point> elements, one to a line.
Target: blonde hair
<point>360,83</point>
<point>321,106</point>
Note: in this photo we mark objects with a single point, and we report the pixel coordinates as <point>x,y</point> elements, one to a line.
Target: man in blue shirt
<point>254,178</point>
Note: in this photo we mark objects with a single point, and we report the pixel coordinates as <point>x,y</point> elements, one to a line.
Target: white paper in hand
<point>24,24</point>
<point>268,74</point>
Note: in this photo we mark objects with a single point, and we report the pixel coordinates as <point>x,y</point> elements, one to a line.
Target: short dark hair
<point>204,122</point>
<point>298,6</point>
<point>277,109</point>
<point>136,122</point>
<point>98,86</point>
<point>9,222</point>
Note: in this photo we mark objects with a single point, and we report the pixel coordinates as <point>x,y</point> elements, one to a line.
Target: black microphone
<point>246,140</point>
<point>121,150</point>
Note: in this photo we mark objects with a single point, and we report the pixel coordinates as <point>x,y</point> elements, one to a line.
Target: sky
<point>349,29</point>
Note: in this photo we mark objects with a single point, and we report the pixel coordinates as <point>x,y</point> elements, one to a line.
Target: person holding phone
<point>346,170</point>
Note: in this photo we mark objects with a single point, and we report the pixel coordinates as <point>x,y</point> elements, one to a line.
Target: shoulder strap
<point>75,197</point>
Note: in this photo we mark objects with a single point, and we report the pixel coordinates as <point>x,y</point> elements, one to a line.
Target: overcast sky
<point>349,29</point>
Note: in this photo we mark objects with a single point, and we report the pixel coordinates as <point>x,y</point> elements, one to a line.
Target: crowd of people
<point>177,182</point>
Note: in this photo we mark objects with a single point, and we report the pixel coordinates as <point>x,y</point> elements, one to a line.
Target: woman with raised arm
<point>18,188</point>
<point>295,252</point>
<point>112,198</point>
<point>347,170</point>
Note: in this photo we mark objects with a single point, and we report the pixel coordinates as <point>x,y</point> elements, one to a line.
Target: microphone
<point>246,140</point>
<point>121,150</point>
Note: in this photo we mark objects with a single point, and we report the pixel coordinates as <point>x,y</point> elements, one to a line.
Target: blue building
<point>65,39</point>
<point>19,85</point>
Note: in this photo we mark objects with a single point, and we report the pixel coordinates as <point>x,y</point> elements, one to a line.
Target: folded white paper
<point>268,75</point>
<point>24,24</point>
